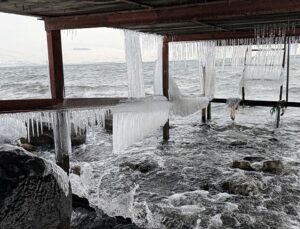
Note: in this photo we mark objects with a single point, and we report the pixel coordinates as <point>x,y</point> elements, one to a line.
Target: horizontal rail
<point>32,105</point>
<point>259,103</point>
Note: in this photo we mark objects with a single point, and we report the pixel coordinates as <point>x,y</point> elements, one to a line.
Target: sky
<point>23,41</point>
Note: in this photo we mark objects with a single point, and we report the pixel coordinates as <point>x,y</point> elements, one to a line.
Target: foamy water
<point>186,187</point>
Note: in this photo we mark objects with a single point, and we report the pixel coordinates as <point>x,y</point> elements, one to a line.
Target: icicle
<point>134,65</point>
<point>233,104</point>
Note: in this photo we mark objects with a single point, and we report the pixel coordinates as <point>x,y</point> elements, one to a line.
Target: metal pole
<point>288,72</point>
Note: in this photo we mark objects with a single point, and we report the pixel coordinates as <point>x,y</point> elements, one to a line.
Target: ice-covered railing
<point>33,123</point>
<point>184,105</point>
<point>137,119</point>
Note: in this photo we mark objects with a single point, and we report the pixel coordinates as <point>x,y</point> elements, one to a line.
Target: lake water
<point>191,184</point>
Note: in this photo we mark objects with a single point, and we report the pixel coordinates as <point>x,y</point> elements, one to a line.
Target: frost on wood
<point>137,119</point>
<point>184,105</point>
<point>133,57</point>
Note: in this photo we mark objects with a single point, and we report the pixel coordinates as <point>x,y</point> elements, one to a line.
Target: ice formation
<point>31,123</point>
<point>136,88</point>
<point>137,119</point>
<point>233,104</point>
<point>157,81</point>
<point>184,105</point>
<point>263,67</point>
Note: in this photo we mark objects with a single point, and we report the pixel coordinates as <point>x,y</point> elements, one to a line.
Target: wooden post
<point>204,110</point>
<point>62,140</point>
<point>165,75</point>
<point>56,70</point>
<point>209,111</point>
<point>288,71</point>
<point>61,131</point>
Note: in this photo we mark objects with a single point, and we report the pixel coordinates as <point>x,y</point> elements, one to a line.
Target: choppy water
<point>188,185</point>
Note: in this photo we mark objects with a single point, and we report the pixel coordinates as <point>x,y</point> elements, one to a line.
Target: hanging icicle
<point>136,88</point>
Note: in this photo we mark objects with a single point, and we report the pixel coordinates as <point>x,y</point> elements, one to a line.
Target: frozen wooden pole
<point>165,75</point>
<point>62,140</point>
<point>62,137</point>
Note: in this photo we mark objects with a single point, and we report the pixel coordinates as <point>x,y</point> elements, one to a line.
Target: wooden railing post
<point>165,75</point>
<point>62,137</point>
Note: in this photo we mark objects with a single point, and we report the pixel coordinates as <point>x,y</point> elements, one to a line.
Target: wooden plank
<point>32,105</point>
<point>184,13</point>
<point>258,103</point>
<point>222,35</point>
<point>55,65</point>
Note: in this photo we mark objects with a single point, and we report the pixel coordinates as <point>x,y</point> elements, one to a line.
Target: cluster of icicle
<point>137,119</point>
<point>34,122</point>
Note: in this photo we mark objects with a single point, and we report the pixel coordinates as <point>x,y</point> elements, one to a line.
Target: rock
<point>245,186</point>
<point>46,139</point>
<point>254,158</point>
<point>273,166</point>
<point>34,193</point>
<point>76,169</point>
<point>86,217</point>
<point>238,143</point>
<point>143,167</point>
<point>28,147</point>
<point>244,165</point>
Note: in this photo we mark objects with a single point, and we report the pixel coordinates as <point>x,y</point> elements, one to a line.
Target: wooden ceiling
<point>172,17</point>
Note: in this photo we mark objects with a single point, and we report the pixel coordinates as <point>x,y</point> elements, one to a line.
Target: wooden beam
<point>259,103</point>
<point>32,105</point>
<point>221,35</point>
<point>184,13</point>
<point>165,80</point>
<point>136,3</point>
<point>56,70</point>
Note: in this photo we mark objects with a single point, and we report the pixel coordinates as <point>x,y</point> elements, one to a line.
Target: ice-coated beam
<point>165,75</point>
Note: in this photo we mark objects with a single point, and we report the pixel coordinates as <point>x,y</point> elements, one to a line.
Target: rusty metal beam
<point>32,105</point>
<point>185,13</point>
<point>222,35</point>
<point>56,69</point>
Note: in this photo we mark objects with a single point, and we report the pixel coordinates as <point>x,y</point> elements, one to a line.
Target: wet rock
<point>81,202</point>
<point>76,169</point>
<point>244,165</point>
<point>273,166</point>
<point>238,143</point>
<point>28,147</point>
<point>273,139</point>
<point>86,217</point>
<point>244,186</point>
<point>46,139</point>
<point>254,158</point>
<point>33,192</point>
<point>143,167</point>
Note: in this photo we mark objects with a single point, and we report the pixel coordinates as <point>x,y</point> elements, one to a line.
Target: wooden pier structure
<point>176,20</point>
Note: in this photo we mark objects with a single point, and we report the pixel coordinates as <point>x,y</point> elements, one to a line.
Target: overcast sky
<point>23,40</point>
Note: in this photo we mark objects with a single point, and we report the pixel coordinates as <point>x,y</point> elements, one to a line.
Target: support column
<point>56,70</point>
<point>165,75</point>
<point>62,140</point>
<point>61,130</point>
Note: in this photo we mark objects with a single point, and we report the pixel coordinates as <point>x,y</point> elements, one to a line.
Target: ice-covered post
<point>204,110</point>
<point>62,139</point>
<point>165,75</point>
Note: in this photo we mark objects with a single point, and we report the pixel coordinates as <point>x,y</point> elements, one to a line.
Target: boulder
<point>273,166</point>
<point>144,167</point>
<point>238,143</point>
<point>76,169</point>
<point>86,217</point>
<point>245,186</point>
<point>254,158</point>
<point>46,139</point>
<point>241,164</point>
<point>28,147</point>
<point>34,193</point>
